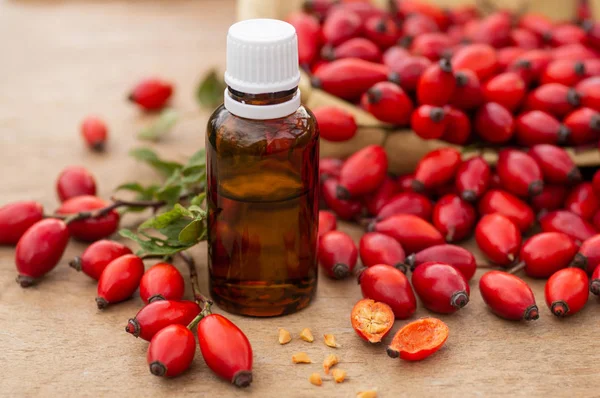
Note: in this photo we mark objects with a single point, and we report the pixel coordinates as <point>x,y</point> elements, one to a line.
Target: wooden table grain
<point>62,60</point>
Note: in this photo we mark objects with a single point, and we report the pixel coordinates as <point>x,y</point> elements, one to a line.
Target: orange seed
<point>330,341</point>
<point>315,379</point>
<point>330,361</point>
<point>306,335</point>
<point>367,394</point>
<point>339,375</point>
<point>284,336</point>
<point>301,357</point>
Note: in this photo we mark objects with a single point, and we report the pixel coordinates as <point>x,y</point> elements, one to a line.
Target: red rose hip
<point>582,201</point>
<point>327,222</point>
<point>407,203</point>
<point>567,291</point>
<point>97,256</point>
<point>151,94</point>
<point>119,280</point>
<point>519,173</point>
<point>308,31</point>
<point>456,256</point>
<point>345,209</point>
<point>554,98</point>
<point>473,178</point>
<point>498,238</point>
<point>418,340</point>
<point>437,84</point>
<point>16,218</point>
<point>513,208</point>
<point>358,47</point>
<point>552,198</point>
<point>494,123</point>
<point>335,124</point>
<point>508,296</point>
<point>454,217</point>
<point>337,254</point>
<point>363,172</point>
<point>158,315</point>
<point>588,256</point>
<point>372,320</point>
<point>75,181</point>
<point>340,26</point>
<point>583,125</point>
<point>388,103</point>
<point>539,127</point>
<point>94,132</point>
<point>440,287</point>
<point>569,223</point>
<point>480,58</point>
<point>389,285</point>
<point>376,248</point>
<point>90,229</point>
<point>429,122</point>
<point>468,93</point>
<point>556,164</point>
<point>458,129</point>
<point>171,351</point>
<point>412,232</point>
<point>375,201</point>
<point>436,168</point>
<point>546,253</point>
<point>162,281</point>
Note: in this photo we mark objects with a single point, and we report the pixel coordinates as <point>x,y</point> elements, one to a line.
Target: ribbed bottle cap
<point>262,56</point>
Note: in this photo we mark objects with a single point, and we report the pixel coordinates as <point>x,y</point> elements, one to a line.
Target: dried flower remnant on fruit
<point>306,335</point>
<point>329,362</point>
<point>284,336</point>
<point>367,394</point>
<point>301,357</point>
<point>315,379</point>
<point>330,341</point>
<point>339,375</point>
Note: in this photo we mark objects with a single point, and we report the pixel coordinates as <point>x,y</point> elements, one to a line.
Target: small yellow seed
<point>330,361</point>
<point>315,379</point>
<point>330,341</point>
<point>367,394</point>
<point>284,336</point>
<point>339,375</point>
<point>306,335</point>
<point>301,357</point>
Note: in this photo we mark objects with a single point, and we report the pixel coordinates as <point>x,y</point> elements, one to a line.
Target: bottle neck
<point>262,106</point>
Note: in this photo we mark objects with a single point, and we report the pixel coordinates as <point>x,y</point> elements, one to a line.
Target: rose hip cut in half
<point>372,320</point>
<point>418,339</point>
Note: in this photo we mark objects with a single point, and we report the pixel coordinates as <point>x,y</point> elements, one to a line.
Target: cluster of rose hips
<point>454,76</point>
<point>412,221</point>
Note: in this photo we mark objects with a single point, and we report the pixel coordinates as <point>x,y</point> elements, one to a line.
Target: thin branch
<point>201,299</point>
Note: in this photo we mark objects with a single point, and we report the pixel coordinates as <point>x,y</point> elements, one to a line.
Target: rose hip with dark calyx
<point>75,181</point>
<point>595,282</point>
<point>162,281</point>
<point>552,198</point>
<point>97,256</point>
<point>473,178</point>
<point>393,55</point>
<point>388,285</point>
<point>431,45</point>
<point>458,128</point>
<point>388,103</point>
<point>456,256</point>
<point>405,8</point>
<point>16,218</point>
<point>440,287</point>
<point>437,84</point>
<point>460,15</point>
<point>171,351</point>
<point>498,238</point>
<point>416,25</point>
<point>567,291</point>
<point>349,78</point>
<point>546,253</point>
<point>507,55</point>
<point>508,296</point>
<point>556,99</point>
<point>405,182</point>
<point>412,232</point>
<point>363,172</point>
<point>119,280</point>
<point>90,229</point>
<point>592,29</point>
<point>531,64</point>
<point>330,168</point>
<point>538,24</point>
<point>419,339</point>
<point>94,132</point>
<point>574,51</point>
<point>364,10</point>
<point>582,201</point>
<point>589,91</point>
<point>513,208</point>
<point>340,26</point>
<point>566,34</point>
<point>345,209</point>
<point>494,123</point>
<point>375,201</point>
<point>584,126</point>
<point>159,314</point>
<point>382,30</point>
<point>538,127</point>
<point>454,217</point>
<point>524,39</point>
<point>569,223</point>
<point>151,94</point>
<point>564,71</point>
<point>40,249</point>
<point>429,122</point>
<point>495,29</point>
<point>335,124</point>
<point>337,254</point>
<point>407,203</point>
<point>588,256</point>
<point>358,47</point>
<point>372,320</point>
<point>408,70</point>
<point>308,32</point>
<point>436,168</point>
<point>519,173</point>
<point>468,93</point>
<point>376,248</point>
<point>480,58</point>
<point>327,222</point>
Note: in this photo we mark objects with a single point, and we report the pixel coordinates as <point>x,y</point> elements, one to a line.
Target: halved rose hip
<point>371,320</point>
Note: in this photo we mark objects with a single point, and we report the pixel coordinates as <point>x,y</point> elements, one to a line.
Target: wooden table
<point>64,60</point>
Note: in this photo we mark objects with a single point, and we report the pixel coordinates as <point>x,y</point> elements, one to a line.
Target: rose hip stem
<point>520,266</point>
<point>201,299</point>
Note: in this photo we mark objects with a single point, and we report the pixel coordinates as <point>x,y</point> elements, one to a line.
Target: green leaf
<point>166,121</point>
<point>163,220</point>
<point>198,159</point>
<point>170,194</point>
<point>148,156</point>
<point>131,186</point>
<point>198,199</point>
<point>192,232</point>
<point>153,246</point>
<point>209,93</point>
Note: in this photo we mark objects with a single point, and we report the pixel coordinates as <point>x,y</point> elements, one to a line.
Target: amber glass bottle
<point>262,149</point>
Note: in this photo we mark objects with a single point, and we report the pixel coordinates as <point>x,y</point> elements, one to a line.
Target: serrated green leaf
<point>198,159</point>
<point>170,194</point>
<point>148,156</point>
<point>165,122</point>
<point>162,220</point>
<point>192,232</point>
<point>153,246</point>
<point>209,93</point>
<point>131,186</point>
<point>197,210</point>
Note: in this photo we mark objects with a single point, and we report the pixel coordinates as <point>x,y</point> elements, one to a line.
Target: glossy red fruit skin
<point>441,288</point>
<point>340,26</point>
<point>337,254</point>
<point>596,220</point>
<point>556,99</point>
<point>538,24</point>
<point>389,285</point>
<point>382,31</point>
<point>358,47</point>
<point>584,126</point>
<point>588,256</point>
<point>405,182</point>
<point>364,10</point>
<point>416,25</point>
<point>575,52</point>
<point>595,282</point>
<point>596,183</point>
<point>494,123</point>
<point>159,314</point>
<point>495,29</point>
<point>412,232</point>
<point>308,32</point>
<point>119,280</point>
<point>162,281</point>
<point>460,15</point>
<point>556,164</point>
<point>546,253</point>
<point>507,55</point>
<point>394,55</point>
<point>97,256</point>
<point>171,351</point>
<point>75,181</point>
<point>376,248</point>
<point>330,168</point>
<point>524,39</point>
<point>583,201</point>
<point>94,132</point>
<point>468,93</point>
<point>454,217</point>
<point>430,45</point>
<point>519,173</point>
<point>589,90</point>
<point>513,208</point>
<point>327,222</point>
<point>16,218</point>
<point>567,34</point>
<point>91,229</point>
<point>40,249</point>
<point>405,8</point>
<point>436,168</point>
<point>458,129</point>
<point>363,171</point>
<point>539,127</point>
<point>569,223</point>
<point>225,349</point>
<point>508,296</point>
<point>459,258</point>
<point>567,291</point>
<point>349,78</point>
<point>407,203</point>
<point>388,103</point>
<point>498,238</point>
<point>480,58</point>
<point>531,64</point>
<point>563,71</point>
<point>384,193</point>
<point>507,89</point>
<point>473,178</point>
<point>552,198</point>
<point>592,29</point>
<point>345,209</point>
<point>429,122</point>
<point>437,84</point>
<point>335,124</point>
<point>151,94</point>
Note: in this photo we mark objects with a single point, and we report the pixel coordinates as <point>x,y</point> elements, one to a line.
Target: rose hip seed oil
<point>262,149</point>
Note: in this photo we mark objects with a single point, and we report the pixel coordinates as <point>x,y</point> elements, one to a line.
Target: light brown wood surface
<point>60,61</point>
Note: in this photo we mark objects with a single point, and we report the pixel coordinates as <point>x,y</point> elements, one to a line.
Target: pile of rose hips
<point>454,75</point>
<point>166,320</point>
